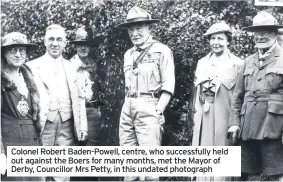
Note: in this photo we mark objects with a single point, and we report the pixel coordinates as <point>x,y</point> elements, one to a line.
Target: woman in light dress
<point>215,78</point>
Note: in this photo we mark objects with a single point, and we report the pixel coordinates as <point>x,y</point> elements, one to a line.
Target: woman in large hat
<point>215,78</point>
<point>257,111</point>
<point>19,99</point>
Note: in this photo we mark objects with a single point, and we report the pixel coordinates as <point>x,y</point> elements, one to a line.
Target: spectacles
<point>14,50</point>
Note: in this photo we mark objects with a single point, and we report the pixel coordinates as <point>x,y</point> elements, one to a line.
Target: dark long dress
<point>17,130</point>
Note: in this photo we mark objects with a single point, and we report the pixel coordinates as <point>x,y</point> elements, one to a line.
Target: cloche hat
<point>15,38</point>
<point>218,28</point>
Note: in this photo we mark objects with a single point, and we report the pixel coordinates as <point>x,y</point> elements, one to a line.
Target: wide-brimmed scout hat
<point>82,37</point>
<point>263,20</point>
<point>15,38</point>
<point>218,28</point>
<point>137,15</point>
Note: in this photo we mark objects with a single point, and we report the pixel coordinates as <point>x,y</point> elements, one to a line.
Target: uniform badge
<point>22,107</point>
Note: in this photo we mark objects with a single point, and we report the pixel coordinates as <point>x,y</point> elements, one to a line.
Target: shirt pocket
<point>67,109</point>
<point>273,78</point>
<point>274,120</point>
<point>248,73</point>
<point>149,68</point>
<point>228,77</point>
<point>229,83</point>
<point>275,107</point>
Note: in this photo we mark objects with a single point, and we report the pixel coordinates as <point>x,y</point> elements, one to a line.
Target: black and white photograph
<point>92,73</point>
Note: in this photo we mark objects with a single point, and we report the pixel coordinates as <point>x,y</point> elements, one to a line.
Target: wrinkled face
<point>55,42</point>
<point>218,43</point>
<point>15,56</point>
<point>264,39</point>
<point>82,50</point>
<point>139,33</point>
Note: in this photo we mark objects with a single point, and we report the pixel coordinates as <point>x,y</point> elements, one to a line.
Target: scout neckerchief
<point>262,55</point>
<point>139,59</point>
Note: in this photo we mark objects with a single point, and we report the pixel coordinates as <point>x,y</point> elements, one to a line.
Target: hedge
<point>181,28</point>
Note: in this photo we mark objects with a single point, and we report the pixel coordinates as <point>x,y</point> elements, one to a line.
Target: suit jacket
<point>257,103</point>
<point>41,69</point>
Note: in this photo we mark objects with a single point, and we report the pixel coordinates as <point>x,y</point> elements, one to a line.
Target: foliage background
<point>181,28</point>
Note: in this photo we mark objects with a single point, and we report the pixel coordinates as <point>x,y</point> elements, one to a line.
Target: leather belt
<point>264,98</point>
<point>142,94</point>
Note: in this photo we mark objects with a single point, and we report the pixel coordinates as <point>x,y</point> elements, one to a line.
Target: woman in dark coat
<point>19,99</point>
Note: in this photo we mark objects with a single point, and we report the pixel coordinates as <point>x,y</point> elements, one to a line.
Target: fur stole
<point>8,84</point>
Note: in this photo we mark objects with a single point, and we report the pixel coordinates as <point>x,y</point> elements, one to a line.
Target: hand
<point>234,131</point>
<point>3,165</point>
<point>82,135</point>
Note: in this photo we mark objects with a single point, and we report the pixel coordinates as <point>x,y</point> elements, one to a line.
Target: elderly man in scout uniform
<point>149,83</point>
<point>257,103</point>
<point>63,115</point>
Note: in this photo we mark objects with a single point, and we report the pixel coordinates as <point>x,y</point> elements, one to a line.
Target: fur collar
<point>8,84</point>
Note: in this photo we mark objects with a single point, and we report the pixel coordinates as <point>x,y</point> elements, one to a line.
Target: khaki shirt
<point>156,71</point>
<point>257,103</point>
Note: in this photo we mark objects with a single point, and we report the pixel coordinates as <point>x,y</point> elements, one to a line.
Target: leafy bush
<point>181,28</point>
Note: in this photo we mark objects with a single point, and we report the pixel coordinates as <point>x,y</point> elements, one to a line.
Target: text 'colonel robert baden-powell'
<point>115,151</point>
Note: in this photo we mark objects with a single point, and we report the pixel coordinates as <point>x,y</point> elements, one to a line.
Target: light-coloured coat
<point>41,69</point>
<point>226,78</point>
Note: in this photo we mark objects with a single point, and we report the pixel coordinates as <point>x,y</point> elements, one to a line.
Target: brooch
<point>22,107</point>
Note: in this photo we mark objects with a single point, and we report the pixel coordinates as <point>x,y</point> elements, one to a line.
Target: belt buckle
<point>133,94</point>
<point>152,94</point>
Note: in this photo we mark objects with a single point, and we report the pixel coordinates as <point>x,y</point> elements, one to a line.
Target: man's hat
<point>15,38</point>
<point>137,15</point>
<point>218,28</point>
<point>82,36</point>
<point>263,20</point>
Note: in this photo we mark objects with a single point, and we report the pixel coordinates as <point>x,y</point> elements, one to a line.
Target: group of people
<point>239,102</point>
<point>52,101</point>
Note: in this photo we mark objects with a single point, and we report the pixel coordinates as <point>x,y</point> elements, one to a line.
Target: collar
<point>53,59</point>
<point>146,44</point>
<point>226,54</point>
<point>81,65</point>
